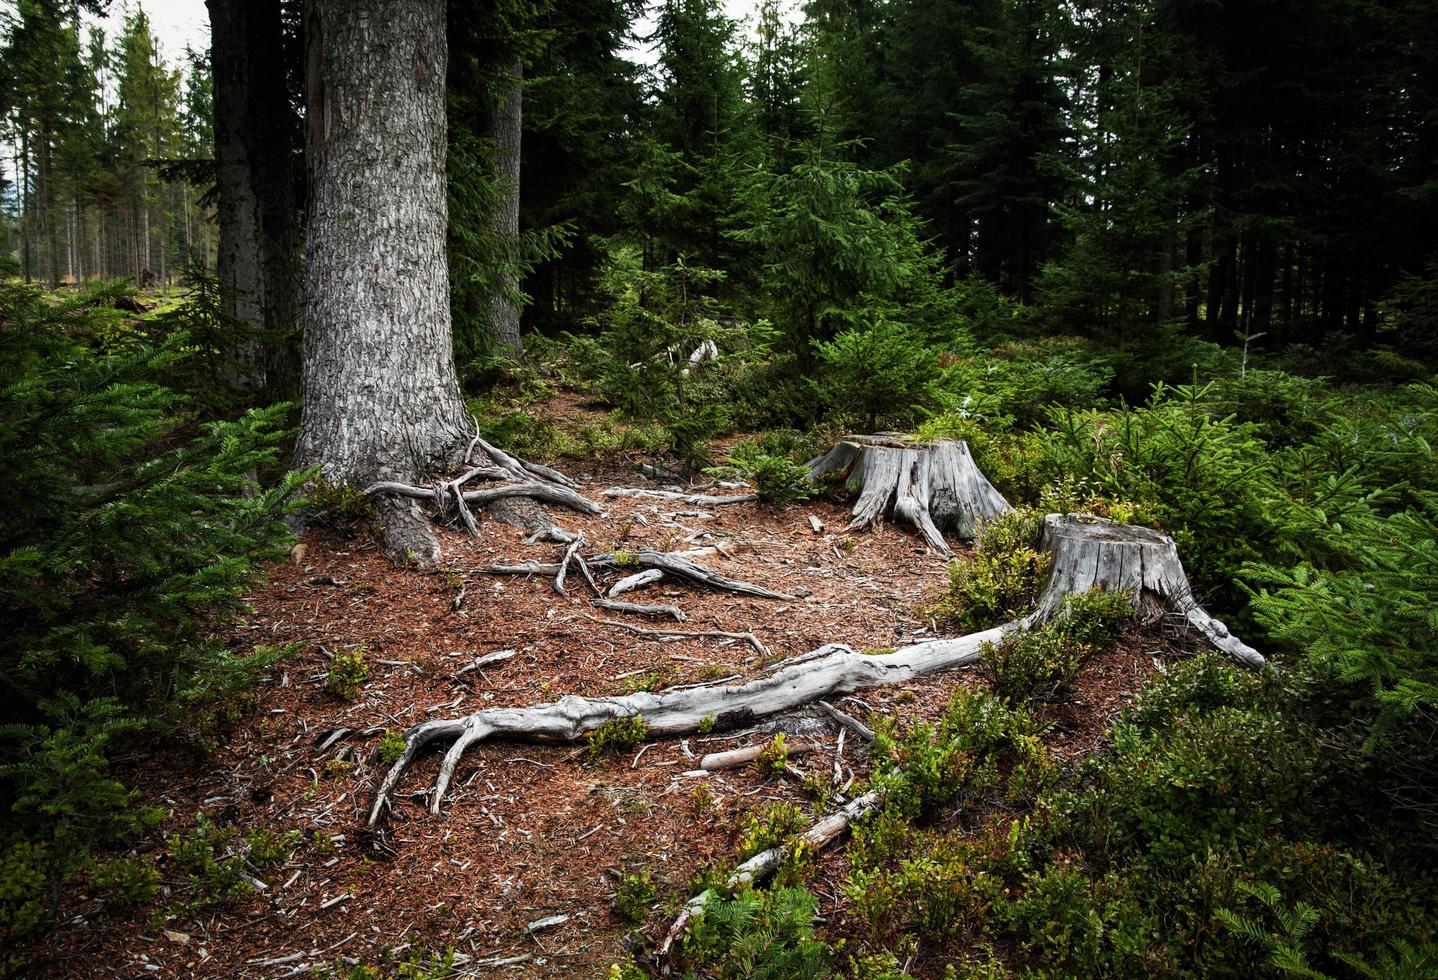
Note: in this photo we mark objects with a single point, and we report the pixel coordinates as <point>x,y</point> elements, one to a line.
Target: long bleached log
<point>823,673</point>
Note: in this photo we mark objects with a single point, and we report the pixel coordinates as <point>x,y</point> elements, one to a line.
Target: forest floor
<point>528,831</point>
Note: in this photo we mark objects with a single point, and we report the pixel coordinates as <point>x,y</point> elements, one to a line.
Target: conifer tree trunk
<point>256,207</point>
<point>380,394</point>
<point>508,119</point>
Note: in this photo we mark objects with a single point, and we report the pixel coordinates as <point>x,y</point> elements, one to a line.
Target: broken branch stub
<point>1088,552</point>
<point>935,486</point>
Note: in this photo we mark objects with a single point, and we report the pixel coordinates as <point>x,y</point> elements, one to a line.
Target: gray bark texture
<point>933,486</point>
<point>258,260</point>
<point>381,400</point>
<point>508,120</point>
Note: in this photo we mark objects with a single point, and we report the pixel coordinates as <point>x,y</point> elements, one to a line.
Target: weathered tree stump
<point>1093,552</point>
<point>934,486</point>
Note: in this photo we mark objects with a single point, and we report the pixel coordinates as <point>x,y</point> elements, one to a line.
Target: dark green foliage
<point>929,766</point>
<point>774,463</point>
<point>877,370</point>
<point>130,529</point>
<point>758,934</point>
<point>1000,580</point>
<point>1037,664</point>
<point>1201,477</point>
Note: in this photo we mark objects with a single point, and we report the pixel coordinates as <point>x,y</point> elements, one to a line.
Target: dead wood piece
<point>816,525</point>
<point>552,533</point>
<point>715,761</point>
<point>848,721</point>
<point>748,638</point>
<point>694,499</point>
<point>683,568</point>
<point>523,568</point>
<point>1092,552</point>
<point>636,581</point>
<point>760,866</point>
<point>498,656</point>
<point>639,609</point>
<point>570,553</point>
<point>933,486</point>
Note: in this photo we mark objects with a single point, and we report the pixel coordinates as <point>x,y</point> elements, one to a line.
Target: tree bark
<point>255,162</point>
<point>380,396</point>
<point>508,127</point>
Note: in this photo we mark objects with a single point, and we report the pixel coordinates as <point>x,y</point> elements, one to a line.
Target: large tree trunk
<point>380,397</point>
<point>255,158</point>
<point>508,120</point>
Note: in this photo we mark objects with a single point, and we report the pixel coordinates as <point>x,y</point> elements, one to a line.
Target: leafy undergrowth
<point>1090,800</point>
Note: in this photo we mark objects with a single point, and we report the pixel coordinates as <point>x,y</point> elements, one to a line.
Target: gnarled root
<point>934,486</point>
<point>1088,552</point>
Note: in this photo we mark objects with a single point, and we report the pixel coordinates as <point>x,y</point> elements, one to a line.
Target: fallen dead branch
<point>662,634</point>
<point>639,609</point>
<point>715,761</point>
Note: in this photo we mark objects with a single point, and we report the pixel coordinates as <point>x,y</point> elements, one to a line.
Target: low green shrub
<point>127,882</point>
<point>347,673</point>
<point>1037,664</point>
<point>763,934</point>
<point>616,735</point>
<point>1000,580</point>
<point>634,893</point>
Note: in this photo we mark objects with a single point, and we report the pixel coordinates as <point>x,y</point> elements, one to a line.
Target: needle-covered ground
<point>528,832</point>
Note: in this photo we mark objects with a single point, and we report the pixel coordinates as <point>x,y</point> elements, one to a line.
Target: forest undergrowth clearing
<point>529,831</point>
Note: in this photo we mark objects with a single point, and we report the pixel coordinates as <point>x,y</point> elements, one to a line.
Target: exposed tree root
<point>1088,552</point>
<point>676,634</point>
<point>680,567</point>
<point>653,565</point>
<point>694,499</point>
<point>640,609</point>
<point>933,486</point>
<point>407,536</point>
